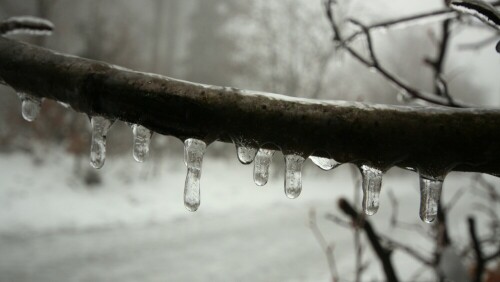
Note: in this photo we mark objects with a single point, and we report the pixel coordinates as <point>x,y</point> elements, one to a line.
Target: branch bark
<point>429,139</point>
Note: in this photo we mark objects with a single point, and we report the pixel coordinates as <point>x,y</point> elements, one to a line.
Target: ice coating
<point>293,175</point>
<point>142,138</point>
<point>65,105</point>
<point>245,154</point>
<point>30,107</point>
<point>324,163</point>
<point>27,25</point>
<point>430,193</point>
<point>372,183</point>
<point>262,162</point>
<point>479,9</point>
<point>100,128</point>
<point>194,150</point>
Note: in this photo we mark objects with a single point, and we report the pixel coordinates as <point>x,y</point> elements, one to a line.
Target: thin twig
<point>410,251</point>
<point>480,263</point>
<point>382,253</point>
<point>326,248</point>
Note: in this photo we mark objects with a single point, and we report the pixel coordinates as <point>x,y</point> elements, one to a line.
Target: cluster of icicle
<point>194,149</point>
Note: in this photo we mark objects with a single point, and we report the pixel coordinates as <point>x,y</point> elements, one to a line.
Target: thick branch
<point>423,138</point>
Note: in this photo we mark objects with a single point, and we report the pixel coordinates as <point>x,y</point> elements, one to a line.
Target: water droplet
<point>100,128</point>
<point>245,154</point>
<point>373,69</point>
<point>372,183</point>
<point>293,175</point>
<point>498,47</point>
<point>261,166</point>
<point>194,150</point>
<point>430,192</point>
<point>142,137</point>
<point>403,96</point>
<point>30,106</point>
<point>324,163</point>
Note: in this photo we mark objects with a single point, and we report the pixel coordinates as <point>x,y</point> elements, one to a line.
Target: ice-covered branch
<point>431,140</point>
<point>374,64</point>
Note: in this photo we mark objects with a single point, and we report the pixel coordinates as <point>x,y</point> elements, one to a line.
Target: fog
<point>62,220</point>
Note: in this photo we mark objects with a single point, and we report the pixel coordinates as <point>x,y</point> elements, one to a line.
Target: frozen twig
<point>374,63</point>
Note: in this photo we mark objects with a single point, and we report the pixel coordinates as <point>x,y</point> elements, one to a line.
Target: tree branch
<point>424,138</point>
<point>374,64</point>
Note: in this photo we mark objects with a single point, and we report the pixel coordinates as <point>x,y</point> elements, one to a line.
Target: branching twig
<point>325,247</point>
<point>382,253</point>
<point>374,63</point>
<point>410,251</point>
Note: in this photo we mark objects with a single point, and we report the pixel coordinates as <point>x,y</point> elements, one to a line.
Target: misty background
<point>61,220</point>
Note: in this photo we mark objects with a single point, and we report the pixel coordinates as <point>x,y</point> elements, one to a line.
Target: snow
<point>53,228</point>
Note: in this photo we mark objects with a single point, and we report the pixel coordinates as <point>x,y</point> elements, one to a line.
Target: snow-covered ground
<point>53,228</point>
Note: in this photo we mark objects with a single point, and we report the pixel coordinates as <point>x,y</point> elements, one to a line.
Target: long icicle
<point>194,150</point>
<point>262,162</point>
<point>372,184</point>
<point>430,193</point>
<point>293,175</point>
<point>142,138</point>
<point>100,128</point>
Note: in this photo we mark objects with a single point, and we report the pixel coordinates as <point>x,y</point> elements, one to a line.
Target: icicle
<point>372,183</point>
<point>261,166</point>
<point>142,137</point>
<point>100,127</point>
<point>245,154</point>
<point>293,175</point>
<point>30,106</point>
<point>324,163</point>
<point>430,192</point>
<point>193,158</point>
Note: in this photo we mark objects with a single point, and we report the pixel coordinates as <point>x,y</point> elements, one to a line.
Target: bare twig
<point>479,44</point>
<point>325,247</point>
<point>480,263</point>
<point>396,223</point>
<point>455,198</point>
<point>382,253</point>
<point>410,251</point>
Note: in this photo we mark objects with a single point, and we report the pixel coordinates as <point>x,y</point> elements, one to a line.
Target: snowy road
<point>242,247</point>
<point>139,230</point>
